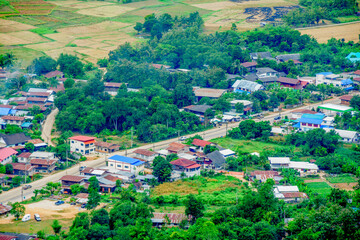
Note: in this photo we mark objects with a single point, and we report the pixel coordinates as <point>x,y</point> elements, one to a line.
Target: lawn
<point>321,188</point>
<point>245,146</point>
<point>342,179</point>
<point>219,191</point>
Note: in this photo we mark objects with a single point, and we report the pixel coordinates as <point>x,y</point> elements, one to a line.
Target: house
<point>13,140</point>
<point>247,106</point>
<point>287,57</point>
<point>6,155</point>
<point>68,180</point>
<point>304,168</point>
<point>346,136</point>
<point>217,160</point>
<point>14,120</point>
<point>201,144</point>
<point>227,153</point>
<point>245,86</point>
<point>36,100</point>
<point>4,111</point>
<point>177,148</point>
<point>106,147</point>
<point>296,114</point>
<point>146,155</point>
<point>4,209</point>
<point>345,100</point>
<point>93,172</point>
<point>250,66</point>
<point>188,167</point>
<point>23,169</point>
<point>8,237</point>
<point>353,57</point>
<point>42,155</point>
<point>59,88</point>
<point>290,82</point>
<point>289,194</point>
<point>24,157</point>
<point>279,162</point>
<point>257,55</point>
<point>126,164</point>
<point>310,121</point>
<point>160,66</point>
<point>82,198</point>
<point>208,92</point>
<point>38,144</point>
<point>112,87</point>
<point>266,72</point>
<point>54,74</point>
<point>198,110</point>
<point>262,176</point>
<point>160,219</point>
<point>82,144</point>
<point>43,165</point>
<point>336,80</point>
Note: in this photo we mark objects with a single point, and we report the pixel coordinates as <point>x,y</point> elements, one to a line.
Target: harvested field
<point>12,26</point>
<point>105,11</point>
<point>22,37</point>
<point>46,46</point>
<point>95,29</point>
<point>345,186</point>
<point>96,53</point>
<point>83,5</point>
<point>349,32</point>
<point>61,37</point>
<point>217,5</point>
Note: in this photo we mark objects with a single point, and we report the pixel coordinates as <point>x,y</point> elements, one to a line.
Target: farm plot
<point>22,37</point>
<point>105,11</point>
<point>349,32</point>
<point>322,188</point>
<point>12,26</point>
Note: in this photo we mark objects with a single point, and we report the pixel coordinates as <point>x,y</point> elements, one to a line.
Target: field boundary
<point>328,25</point>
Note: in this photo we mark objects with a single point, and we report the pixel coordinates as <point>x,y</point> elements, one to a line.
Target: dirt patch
<point>314,180</point>
<point>345,186</point>
<point>267,14</point>
<point>105,11</point>
<point>216,5</point>
<point>12,26</point>
<point>349,32</point>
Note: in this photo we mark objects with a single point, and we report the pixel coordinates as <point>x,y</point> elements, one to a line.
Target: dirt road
<point>48,125</point>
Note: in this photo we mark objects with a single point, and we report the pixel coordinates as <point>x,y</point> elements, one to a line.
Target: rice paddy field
<point>90,29</point>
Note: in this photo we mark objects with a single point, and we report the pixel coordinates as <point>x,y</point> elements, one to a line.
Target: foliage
<point>251,129</point>
<point>94,195</point>
<point>17,210</point>
<point>70,65</point>
<point>56,226</point>
<point>194,207</point>
<point>162,169</point>
<point>42,65</point>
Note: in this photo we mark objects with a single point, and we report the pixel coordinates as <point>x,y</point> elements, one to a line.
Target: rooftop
<point>131,161</point>
<point>279,160</point>
<point>209,92</point>
<point>72,178</point>
<point>54,74</point>
<point>144,152</point>
<point>182,162</point>
<point>200,143</point>
<point>198,108</point>
<point>248,85</point>
<point>6,152</point>
<point>248,64</point>
<point>288,80</point>
<point>13,118</point>
<point>42,162</point>
<point>287,189</point>
<point>16,138</point>
<point>82,138</point>
<point>336,108</point>
<point>346,97</point>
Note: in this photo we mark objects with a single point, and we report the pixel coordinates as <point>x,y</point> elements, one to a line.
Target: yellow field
<point>105,11</point>
<point>349,32</point>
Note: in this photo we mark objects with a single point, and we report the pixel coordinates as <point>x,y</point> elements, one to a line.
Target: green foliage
<point>250,129</point>
<point>94,195</point>
<point>17,210</point>
<point>194,207</point>
<point>162,169</point>
<point>42,65</point>
<point>9,169</point>
<point>56,226</point>
<point>70,65</point>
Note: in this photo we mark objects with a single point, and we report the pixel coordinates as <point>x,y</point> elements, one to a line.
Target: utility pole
<point>66,154</point>
<point>132,135</point>
<point>226,128</point>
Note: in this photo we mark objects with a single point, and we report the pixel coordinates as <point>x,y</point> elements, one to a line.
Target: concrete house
<point>146,155</point>
<point>42,155</point>
<point>245,86</point>
<point>13,120</point>
<point>208,92</point>
<point>304,168</point>
<point>6,155</point>
<point>217,160</point>
<point>43,165</point>
<point>126,164</point>
<point>24,157</point>
<point>82,144</point>
<point>23,169</point>
<point>188,167</point>
<point>106,147</point>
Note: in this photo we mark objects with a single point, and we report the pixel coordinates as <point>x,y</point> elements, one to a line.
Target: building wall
<point>7,160</point>
<point>117,165</point>
<point>81,147</point>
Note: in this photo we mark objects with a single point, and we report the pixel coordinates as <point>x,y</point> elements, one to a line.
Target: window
<point>82,144</point>
<point>77,150</point>
<point>119,165</point>
<point>72,141</point>
<point>303,124</point>
<point>316,125</point>
<point>126,166</point>
<point>111,165</point>
<point>310,124</point>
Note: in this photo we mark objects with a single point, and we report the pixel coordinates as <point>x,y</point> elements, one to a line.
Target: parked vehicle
<point>183,138</point>
<point>277,118</point>
<point>27,187</point>
<point>37,217</point>
<point>82,168</point>
<point>73,203</point>
<point>26,218</point>
<point>83,205</point>
<point>59,202</point>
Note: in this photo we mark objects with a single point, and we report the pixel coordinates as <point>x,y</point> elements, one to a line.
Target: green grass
<point>321,188</point>
<point>346,19</point>
<point>245,146</point>
<point>43,30</point>
<point>213,191</point>
<point>342,179</point>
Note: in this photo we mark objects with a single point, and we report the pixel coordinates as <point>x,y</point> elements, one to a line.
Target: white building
<point>346,136</point>
<point>82,144</point>
<point>145,155</point>
<point>304,168</point>
<point>6,155</point>
<point>227,153</point>
<point>127,164</point>
<point>42,155</point>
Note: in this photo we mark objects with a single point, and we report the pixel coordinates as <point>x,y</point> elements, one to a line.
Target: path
<point>328,25</point>
<point>48,125</point>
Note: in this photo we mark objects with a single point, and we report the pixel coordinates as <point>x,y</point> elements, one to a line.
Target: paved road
<point>15,194</point>
<point>47,126</point>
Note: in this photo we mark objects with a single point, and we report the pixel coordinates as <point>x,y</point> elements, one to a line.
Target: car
<point>277,118</point>
<point>183,138</point>
<point>73,203</point>
<point>27,187</point>
<point>37,217</point>
<point>59,202</point>
<point>83,205</point>
<point>82,168</point>
<point>26,218</point>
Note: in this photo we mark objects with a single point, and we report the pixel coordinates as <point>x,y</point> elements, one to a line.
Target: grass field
<point>342,179</point>
<point>321,188</point>
<point>219,190</point>
<point>245,146</point>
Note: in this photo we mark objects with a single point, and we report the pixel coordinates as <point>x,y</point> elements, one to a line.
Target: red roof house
<point>6,155</point>
<point>290,82</point>
<point>200,143</point>
<point>55,73</point>
<point>345,100</point>
<point>190,168</point>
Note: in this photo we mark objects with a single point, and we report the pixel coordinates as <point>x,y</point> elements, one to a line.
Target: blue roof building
<point>127,164</point>
<point>310,121</point>
<point>353,57</point>
<point>5,111</point>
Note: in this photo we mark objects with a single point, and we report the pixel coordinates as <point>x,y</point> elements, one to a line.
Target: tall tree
<point>194,207</point>
<point>162,169</point>
<point>17,210</point>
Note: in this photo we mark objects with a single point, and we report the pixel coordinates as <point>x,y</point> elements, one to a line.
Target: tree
<point>6,60</point>
<point>75,189</point>
<point>42,65</point>
<point>162,169</point>
<point>233,27</point>
<point>101,217</point>
<point>52,187</point>
<point>70,65</point>
<point>194,207</point>
<point>355,102</point>
<point>29,147</point>
<point>9,169</point>
<point>103,62</point>
<point>209,149</point>
<point>69,83</point>
<point>17,210</point>
<point>56,226</point>
<point>239,107</point>
<point>138,27</point>
<point>209,113</point>
<point>94,196</point>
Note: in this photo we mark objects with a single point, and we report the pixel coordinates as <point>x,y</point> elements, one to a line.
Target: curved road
<point>14,195</point>
<point>48,125</point>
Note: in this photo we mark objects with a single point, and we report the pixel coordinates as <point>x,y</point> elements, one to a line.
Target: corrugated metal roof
<point>131,161</point>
